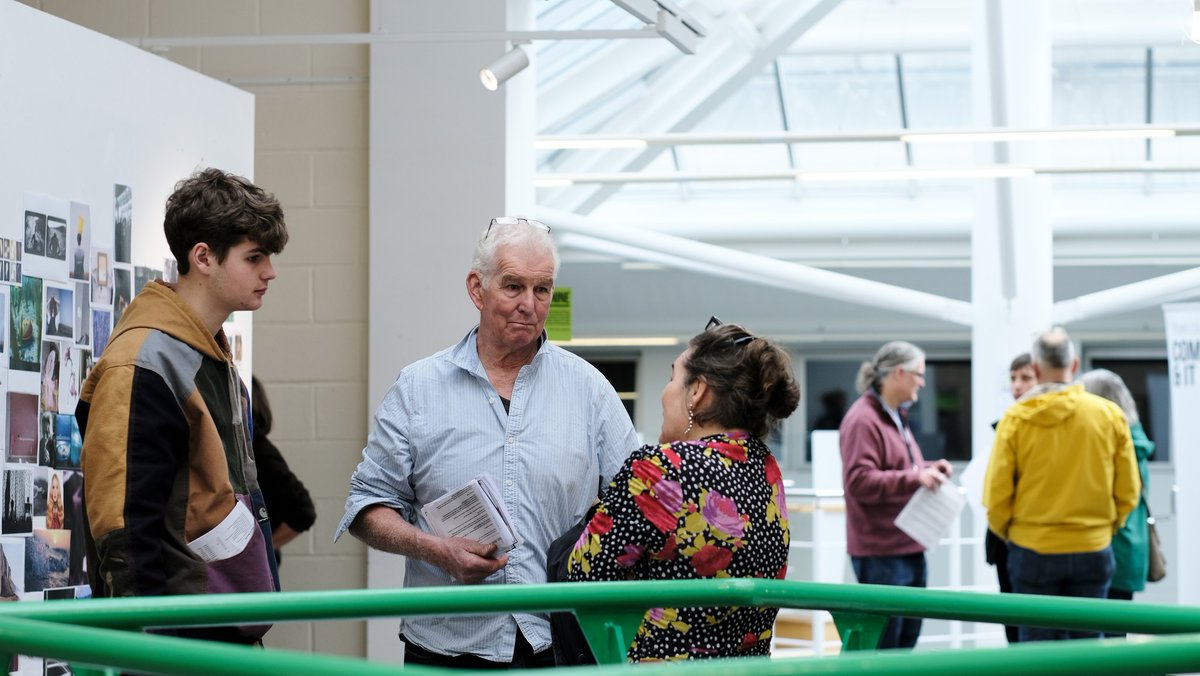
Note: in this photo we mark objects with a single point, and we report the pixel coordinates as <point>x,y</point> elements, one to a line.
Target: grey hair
<point>893,355</point>
<point>1054,349</point>
<point>521,235</point>
<point>1105,383</point>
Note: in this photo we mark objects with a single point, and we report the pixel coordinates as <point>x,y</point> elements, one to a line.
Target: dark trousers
<point>1083,574</point>
<point>898,571</point>
<point>996,551</point>
<point>523,657</point>
<point>1118,595</point>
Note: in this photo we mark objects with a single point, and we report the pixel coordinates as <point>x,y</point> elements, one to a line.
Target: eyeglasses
<point>513,220</point>
<point>713,323</point>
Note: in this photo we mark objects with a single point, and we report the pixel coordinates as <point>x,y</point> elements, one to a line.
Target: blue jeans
<point>897,571</point>
<point>1085,575</point>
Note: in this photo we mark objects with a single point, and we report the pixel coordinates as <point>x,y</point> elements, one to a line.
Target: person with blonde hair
<point>1131,544</point>
<point>882,468</point>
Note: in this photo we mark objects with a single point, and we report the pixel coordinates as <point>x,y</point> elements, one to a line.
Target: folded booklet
<point>476,512</point>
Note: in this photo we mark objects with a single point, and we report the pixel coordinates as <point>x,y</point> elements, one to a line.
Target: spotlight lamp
<point>503,68</point>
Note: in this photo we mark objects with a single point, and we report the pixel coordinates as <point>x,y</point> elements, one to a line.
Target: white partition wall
<point>80,114</point>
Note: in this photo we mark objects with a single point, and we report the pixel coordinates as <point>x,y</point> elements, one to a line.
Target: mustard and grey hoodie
<point>1062,476</point>
<point>166,456</point>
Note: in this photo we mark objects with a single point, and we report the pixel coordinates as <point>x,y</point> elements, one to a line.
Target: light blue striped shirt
<point>442,423</point>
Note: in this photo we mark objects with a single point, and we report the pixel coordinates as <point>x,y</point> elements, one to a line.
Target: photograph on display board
<point>41,483</point>
<point>83,316</point>
<point>68,442</point>
<point>3,410</point>
<point>10,261</point>
<point>101,328</point>
<point>73,521</point>
<point>25,325</point>
<point>45,242</point>
<point>46,437</point>
<point>124,293</point>
<point>68,379</point>
<point>12,568</point>
<point>142,275</point>
<point>56,511</point>
<point>3,324</point>
<point>170,273</point>
<point>22,437</point>
<point>123,222</point>
<point>56,238</point>
<point>79,240</point>
<point>18,502</point>
<point>35,233</point>
<point>102,276</point>
<point>47,559</point>
<point>51,368</point>
<point>58,311</point>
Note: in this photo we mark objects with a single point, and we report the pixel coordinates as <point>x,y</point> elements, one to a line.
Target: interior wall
<point>311,335</point>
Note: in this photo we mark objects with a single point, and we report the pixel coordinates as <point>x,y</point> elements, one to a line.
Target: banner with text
<point>1183,356</point>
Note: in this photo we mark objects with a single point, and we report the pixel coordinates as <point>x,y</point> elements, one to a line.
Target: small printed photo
<point>55,506</point>
<point>170,270</point>
<point>59,594</point>
<point>83,316</point>
<point>41,481</point>
<point>123,222</point>
<point>47,559</point>
<point>12,568</point>
<point>22,437</point>
<point>51,369</point>
<point>69,383</point>
<point>79,240</point>
<point>35,233</point>
<point>72,484</point>
<point>3,322</point>
<point>102,276</point>
<point>124,293</point>
<point>68,441</point>
<point>142,276</point>
<point>25,325</point>
<point>18,503</point>
<point>59,311</point>
<point>10,262</point>
<point>56,238</point>
<point>46,438</point>
<point>102,324</point>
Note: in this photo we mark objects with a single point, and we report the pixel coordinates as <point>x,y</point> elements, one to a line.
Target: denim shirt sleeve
<point>382,477</point>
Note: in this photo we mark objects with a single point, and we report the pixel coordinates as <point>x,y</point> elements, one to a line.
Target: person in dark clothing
<point>289,505</point>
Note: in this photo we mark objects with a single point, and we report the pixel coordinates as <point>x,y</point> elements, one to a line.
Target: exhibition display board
<point>95,134</point>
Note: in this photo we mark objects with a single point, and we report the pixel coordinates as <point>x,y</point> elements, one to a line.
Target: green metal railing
<point>96,631</point>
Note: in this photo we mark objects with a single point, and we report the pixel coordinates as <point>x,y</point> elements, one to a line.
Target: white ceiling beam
<point>709,259</point>
<point>1135,296</point>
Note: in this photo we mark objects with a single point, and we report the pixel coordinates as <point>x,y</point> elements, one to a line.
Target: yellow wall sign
<point>558,321</point>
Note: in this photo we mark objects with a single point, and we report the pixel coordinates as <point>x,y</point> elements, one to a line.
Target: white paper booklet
<point>476,512</point>
<point>228,538</point>
<point>928,515</point>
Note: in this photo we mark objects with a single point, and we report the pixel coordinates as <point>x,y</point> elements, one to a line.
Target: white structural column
<point>446,156</point>
<point>1011,238</point>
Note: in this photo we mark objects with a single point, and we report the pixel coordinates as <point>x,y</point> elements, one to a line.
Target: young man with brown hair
<point>171,495</point>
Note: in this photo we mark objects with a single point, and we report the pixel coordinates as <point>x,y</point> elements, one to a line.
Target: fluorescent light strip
<point>1035,135</point>
<point>915,174</point>
<point>552,182</point>
<point>618,342</point>
<point>575,143</point>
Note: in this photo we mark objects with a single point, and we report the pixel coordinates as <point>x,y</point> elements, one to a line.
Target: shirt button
<point>510,439</point>
<point>508,482</point>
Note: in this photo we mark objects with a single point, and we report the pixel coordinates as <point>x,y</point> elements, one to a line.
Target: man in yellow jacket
<point>1061,479</point>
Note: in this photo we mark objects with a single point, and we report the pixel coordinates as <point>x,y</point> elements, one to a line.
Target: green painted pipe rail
<point>610,612</point>
<point>93,650</point>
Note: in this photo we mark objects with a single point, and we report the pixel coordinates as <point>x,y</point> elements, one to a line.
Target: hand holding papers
<point>928,515</point>
<point>473,511</point>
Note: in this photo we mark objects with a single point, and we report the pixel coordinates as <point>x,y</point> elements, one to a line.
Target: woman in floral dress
<point>706,502</point>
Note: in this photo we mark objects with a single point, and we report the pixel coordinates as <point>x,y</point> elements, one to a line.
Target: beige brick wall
<point>310,338</point>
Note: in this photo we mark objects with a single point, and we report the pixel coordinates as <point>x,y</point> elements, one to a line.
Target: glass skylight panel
<point>937,93</point>
<point>1098,88</point>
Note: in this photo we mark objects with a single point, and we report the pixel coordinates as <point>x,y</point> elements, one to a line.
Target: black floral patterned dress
<point>711,508</point>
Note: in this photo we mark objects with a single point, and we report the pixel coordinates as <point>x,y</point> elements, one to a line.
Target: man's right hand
<point>467,561</point>
<point>931,477</point>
